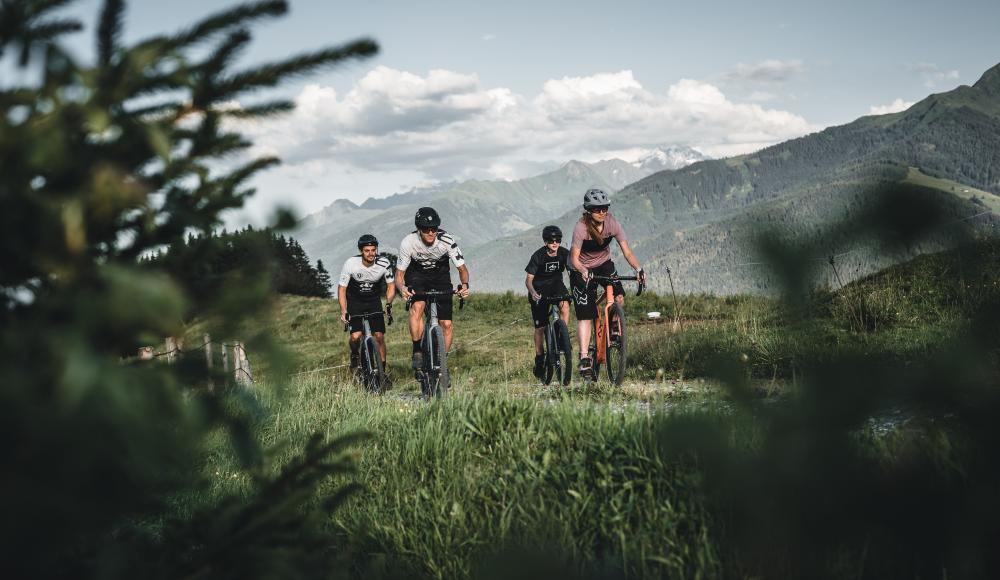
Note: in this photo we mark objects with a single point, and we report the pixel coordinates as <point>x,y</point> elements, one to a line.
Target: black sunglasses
<point>550,240</point>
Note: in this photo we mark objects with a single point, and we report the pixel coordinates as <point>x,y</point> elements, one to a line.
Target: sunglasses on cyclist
<point>551,240</point>
<point>427,230</point>
<point>602,209</point>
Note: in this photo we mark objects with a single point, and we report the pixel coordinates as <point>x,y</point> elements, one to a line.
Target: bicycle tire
<point>563,353</point>
<point>617,351</point>
<point>550,356</point>
<point>374,372</point>
<point>440,379</point>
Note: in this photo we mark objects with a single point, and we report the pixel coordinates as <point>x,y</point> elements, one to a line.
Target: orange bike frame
<point>602,334</point>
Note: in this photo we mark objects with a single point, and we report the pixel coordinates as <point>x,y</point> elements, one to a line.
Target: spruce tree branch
<point>36,8</point>
<point>268,109</point>
<point>271,74</point>
<point>221,21</point>
<point>109,30</point>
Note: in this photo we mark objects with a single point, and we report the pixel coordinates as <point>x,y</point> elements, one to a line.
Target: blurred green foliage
<point>825,492</point>
<point>100,165</point>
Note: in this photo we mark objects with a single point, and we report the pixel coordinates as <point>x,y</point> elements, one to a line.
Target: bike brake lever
<point>347,326</point>
<point>389,319</point>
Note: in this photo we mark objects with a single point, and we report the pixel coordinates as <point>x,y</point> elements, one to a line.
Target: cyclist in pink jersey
<point>590,254</point>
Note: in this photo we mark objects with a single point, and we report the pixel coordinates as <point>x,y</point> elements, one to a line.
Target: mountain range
<point>476,212</point>
<point>700,220</point>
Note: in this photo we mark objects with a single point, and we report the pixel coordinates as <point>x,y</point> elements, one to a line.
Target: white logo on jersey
<point>551,266</point>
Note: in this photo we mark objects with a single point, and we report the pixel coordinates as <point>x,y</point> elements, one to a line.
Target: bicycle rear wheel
<point>440,379</point>
<point>616,352</point>
<point>562,353</point>
<point>374,372</point>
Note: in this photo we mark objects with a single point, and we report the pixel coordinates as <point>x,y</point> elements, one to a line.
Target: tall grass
<point>454,485</point>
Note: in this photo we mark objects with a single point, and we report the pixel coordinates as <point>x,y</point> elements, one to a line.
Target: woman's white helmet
<point>595,198</point>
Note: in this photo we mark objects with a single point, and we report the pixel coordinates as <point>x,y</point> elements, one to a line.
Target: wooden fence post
<point>241,364</point>
<point>237,363</point>
<point>225,359</point>
<point>244,362</point>
<point>208,351</point>
<point>171,344</point>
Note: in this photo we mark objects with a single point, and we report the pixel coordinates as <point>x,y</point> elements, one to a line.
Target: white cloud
<point>395,129</point>
<point>933,75</point>
<point>489,36</point>
<point>893,107</point>
<point>766,71</point>
<point>762,96</point>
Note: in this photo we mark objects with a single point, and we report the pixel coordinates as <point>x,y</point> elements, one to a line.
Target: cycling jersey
<point>547,269</point>
<point>365,283</point>
<point>415,255</point>
<point>593,254</point>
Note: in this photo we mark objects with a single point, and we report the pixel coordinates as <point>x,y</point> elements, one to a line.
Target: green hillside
<point>701,220</point>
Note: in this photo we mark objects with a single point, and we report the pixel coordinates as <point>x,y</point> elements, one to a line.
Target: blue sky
<point>507,89</point>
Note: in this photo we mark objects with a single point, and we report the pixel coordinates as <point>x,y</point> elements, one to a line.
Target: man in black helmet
<point>361,281</point>
<point>423,265</point>
<point>545,278</point>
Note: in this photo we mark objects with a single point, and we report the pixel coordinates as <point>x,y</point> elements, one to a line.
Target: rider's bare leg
<point>446,327</point>
<point>416,320</point>
<point>564,312</point>
<point>583,328</point>
<point>539,340</point>
<point>380,339</point>
<point>355,345</point>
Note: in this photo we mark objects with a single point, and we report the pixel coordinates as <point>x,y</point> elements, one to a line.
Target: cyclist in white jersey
<point>423,265</point>
<point>361,281</point>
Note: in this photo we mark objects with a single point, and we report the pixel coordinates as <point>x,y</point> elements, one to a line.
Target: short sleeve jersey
<point>365,282</point>
<point>432,259</point>
<point>545,268</point>
<point>593,254</point>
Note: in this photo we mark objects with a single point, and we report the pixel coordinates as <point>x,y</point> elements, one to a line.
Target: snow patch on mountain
<point>669,157</point>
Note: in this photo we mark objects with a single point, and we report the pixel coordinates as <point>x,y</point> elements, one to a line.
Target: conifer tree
<point>101,165</point>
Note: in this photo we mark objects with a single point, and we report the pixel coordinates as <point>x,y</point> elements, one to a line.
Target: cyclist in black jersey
<point>423,265</point>
<point>545,278</point>
<point>361,282</point>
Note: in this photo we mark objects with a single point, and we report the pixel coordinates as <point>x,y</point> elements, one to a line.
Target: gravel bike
<point>370,368</point>
<point>558,348</point>
<point>433,376</point>
<point>609,344</point>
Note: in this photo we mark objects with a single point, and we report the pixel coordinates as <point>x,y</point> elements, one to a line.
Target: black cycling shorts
<point>377,323</point>
<point>540,310</point>
<point>584,296</point>
<point>418,281</point>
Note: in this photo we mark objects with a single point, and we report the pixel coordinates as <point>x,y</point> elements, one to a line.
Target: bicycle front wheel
<point>617,352</point>
<point>374,373</point>
<point>562,354</point>
<point>551,362</point>
<point>440,379</point>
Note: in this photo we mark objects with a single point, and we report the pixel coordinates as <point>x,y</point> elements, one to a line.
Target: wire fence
<point>232,356</point>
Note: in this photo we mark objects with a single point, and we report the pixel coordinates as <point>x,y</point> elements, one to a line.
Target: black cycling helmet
<point>595,198</point>
<point>550,233</point>
<point>427,218</point>
<point>367,240</point>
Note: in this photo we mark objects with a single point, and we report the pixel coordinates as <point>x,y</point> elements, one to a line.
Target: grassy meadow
<point>506,477</point>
